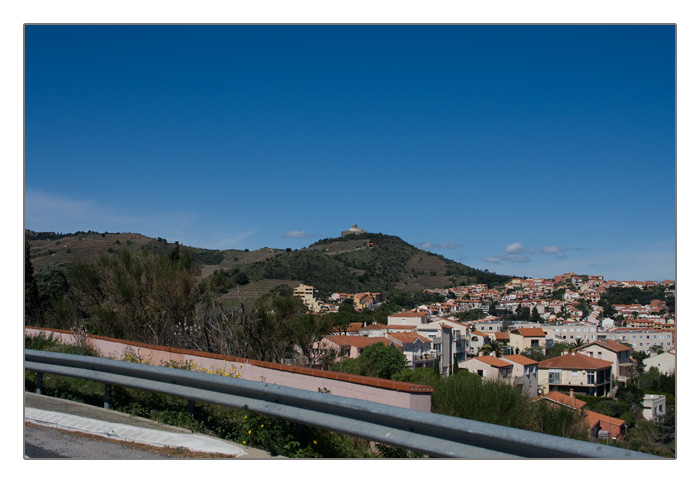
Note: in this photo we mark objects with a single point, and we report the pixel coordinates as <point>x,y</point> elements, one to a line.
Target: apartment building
<point>642,339</point>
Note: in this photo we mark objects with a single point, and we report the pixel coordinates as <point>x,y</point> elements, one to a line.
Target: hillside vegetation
<point>236,302</point>
<point>354,263</point>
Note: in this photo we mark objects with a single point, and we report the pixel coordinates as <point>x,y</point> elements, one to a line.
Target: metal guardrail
<point>433,434</point>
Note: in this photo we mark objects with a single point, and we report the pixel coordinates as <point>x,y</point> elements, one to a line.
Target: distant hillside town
<point>511,334</point>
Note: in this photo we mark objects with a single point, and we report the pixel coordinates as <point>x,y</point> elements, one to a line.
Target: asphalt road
<point>45,442</point>
<point>57,429</point>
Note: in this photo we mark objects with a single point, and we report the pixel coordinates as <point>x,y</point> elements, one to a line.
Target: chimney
<point>571,393</point>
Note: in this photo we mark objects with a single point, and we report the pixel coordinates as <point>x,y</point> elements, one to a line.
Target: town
<point>505,334</point>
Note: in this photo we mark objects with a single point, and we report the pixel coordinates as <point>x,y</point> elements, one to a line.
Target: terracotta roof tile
<point>564,399</point>
<point>574,361</point>
<point>408,337</point>
<point>534,332</point>
<point>610,344</point>
<point>492,361</point>
<point>517,358</point>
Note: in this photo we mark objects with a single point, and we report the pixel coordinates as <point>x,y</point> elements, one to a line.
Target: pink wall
<point>394,393</point>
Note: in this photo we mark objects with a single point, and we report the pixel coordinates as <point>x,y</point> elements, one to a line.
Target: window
<point>591,377</point>
<point>600,355</point>
<point>554,376</point>
<point>574,373</point>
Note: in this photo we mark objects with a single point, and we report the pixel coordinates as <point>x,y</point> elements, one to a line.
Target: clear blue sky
<point>524,150</point>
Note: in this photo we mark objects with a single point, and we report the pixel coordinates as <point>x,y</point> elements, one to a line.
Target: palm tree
<point>492,346</point>
<point>577,343</point>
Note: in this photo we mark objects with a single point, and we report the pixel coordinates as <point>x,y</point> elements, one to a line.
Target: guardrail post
<point>190,407</point>
<point>300,431</point>
<point>108,396</point>
<point>40,383</point>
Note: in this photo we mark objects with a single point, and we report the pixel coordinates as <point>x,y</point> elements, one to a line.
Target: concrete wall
<point>394,393</point>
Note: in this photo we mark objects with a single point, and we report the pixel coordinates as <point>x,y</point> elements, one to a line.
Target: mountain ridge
<point>352,263</point>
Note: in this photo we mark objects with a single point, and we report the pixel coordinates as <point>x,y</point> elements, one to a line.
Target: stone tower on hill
<point>353,231</point>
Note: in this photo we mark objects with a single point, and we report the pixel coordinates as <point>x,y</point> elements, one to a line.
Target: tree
<point>578,342</point>
<point>467,395</point>
<point>307,332</point>
<point>471,314</point>
<point>557,420</point>
<point>493,308</point>
<point>534,352</point>
<point>522,313</point>
<point>376,360</point>
<point>492,346</point>
<point>32,310</point>
<point>137,296</point>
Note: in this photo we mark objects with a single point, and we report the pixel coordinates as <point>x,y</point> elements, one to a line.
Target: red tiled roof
<point>610,344</point>
<point>517,358</point>
<point>607,423</point>
<point>563,399</point>
<point>574,361</point>
<point>536,332</point>
<point>408,337</point>
<point>492,361</point>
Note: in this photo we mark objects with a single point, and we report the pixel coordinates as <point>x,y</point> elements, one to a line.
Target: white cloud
<point>450,246</point>
<point>507,258</point>
<point>552,249</point>
<point>518,248</point>
<point>443,246</point>
<point>296,234</point>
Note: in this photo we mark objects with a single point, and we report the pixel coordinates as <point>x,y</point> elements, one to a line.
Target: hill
<point>354,263</point>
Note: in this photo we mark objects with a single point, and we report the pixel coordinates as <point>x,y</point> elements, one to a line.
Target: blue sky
<point>524,150</point>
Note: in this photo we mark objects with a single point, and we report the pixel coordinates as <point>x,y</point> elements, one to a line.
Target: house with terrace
<point>477,339</point>
<point>416,348</point>
<point>577,372</point>
<point>619,355</point>
<point>437,331</point>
